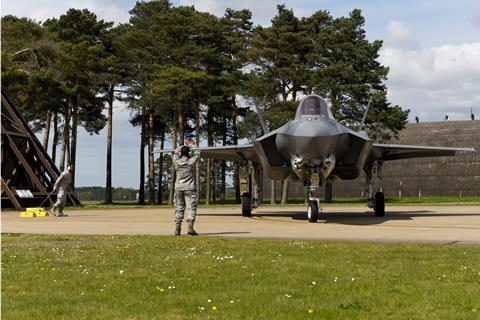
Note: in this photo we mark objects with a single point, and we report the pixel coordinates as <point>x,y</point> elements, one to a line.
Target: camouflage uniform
<point>63,185</point>
<point>185,187</point>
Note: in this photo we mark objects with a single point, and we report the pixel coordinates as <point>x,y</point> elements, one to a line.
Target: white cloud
<point>400,35</point>
<point>262,10</point>
<point>435,81</point>
<point>108,12</point>
<point>42,10</point>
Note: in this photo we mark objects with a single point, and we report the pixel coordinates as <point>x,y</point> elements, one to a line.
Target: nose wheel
<point>312,210</point>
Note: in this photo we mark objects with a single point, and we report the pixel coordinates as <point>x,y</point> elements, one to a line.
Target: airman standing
<point>184,160</point>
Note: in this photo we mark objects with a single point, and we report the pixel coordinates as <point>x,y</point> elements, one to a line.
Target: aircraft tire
<point>379,204</point>
<point>246,205</point>
<point>312,211</point>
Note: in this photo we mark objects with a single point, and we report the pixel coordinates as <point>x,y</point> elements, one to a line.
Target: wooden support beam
<point>10,195</point>
<point>25,164</point>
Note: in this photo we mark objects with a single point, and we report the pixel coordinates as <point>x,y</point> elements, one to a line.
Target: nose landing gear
<point>313,202</point>
<point>312,210</point>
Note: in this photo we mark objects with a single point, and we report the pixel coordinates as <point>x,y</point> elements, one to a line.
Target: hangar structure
<point>28,172</point>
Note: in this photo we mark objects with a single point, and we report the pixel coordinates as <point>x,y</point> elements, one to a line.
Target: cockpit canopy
<point>313,105</point>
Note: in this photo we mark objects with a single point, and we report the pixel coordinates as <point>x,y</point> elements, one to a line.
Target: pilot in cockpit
<point>311,106</point>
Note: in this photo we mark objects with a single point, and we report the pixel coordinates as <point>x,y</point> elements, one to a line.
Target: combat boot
<point>52,211</point>
<point>191,231</point>
<point>178,228</point>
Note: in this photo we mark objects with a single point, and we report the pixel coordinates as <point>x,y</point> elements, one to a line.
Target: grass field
<point>300,201</point>
<point>155,277</point>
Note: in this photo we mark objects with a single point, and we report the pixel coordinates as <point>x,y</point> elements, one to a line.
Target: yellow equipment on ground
<point>34,212</point>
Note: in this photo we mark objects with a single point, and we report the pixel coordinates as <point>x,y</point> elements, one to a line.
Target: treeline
<point>98,194</point>
<point>186,73</point>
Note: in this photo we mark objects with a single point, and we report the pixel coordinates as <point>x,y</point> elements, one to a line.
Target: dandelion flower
<point>310,311</point>
<point>214,308</point>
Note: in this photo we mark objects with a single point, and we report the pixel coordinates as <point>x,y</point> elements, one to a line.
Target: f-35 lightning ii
<point>314,148</point>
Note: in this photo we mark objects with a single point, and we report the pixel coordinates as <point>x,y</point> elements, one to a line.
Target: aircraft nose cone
<point>313,138</point>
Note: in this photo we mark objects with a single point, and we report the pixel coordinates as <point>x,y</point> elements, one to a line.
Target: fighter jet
<point>313,148</point>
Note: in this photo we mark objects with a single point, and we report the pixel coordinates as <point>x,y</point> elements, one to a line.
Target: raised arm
<point>59,181</point>
<point>195,154</point>
<point>176,153</point>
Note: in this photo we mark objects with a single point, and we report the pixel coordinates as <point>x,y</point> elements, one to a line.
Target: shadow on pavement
<point>222,233</point>
<point>358,218</point>
<point>349,218</point>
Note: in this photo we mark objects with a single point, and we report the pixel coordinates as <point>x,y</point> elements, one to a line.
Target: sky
<point>432,48</point>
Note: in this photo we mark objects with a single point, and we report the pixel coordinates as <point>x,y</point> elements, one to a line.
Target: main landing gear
<point>375,201</point>
<point>246,205</point>
<point>379,204</point>
<point>251,184</point>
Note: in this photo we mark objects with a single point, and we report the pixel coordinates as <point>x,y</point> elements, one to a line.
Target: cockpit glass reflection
<point>313,106</point>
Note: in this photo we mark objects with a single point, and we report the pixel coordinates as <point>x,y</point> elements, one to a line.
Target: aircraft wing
<point>398,151</point>
<point>232,153</point>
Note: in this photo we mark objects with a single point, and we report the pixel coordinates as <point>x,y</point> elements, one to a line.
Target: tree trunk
<point>55,137</point>
<point>151,160</point>
<point>258,174</point>
<point>328,192</point>
<point>224,163</point>
<point>65,138</point>
<point>46,131</point>
<point>141,191</point>
<point>273,195</point>
<point>108,183</point>
<point>181,127</point>
<point>69,158</point>
<point>236,177</point>
<point>160,168</point>
<point>73,146</point>
<point>214,183</point>
<point>284,191</point>
<point>208,191</point>
<point>172,172</point>
<point>197,141</point>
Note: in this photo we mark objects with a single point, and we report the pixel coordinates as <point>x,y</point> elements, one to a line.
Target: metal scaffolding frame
<point>28,172</point>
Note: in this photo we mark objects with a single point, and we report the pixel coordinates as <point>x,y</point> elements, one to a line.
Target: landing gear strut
<point>313,202</point>
<point>375,201</point>
<point>250,187</point>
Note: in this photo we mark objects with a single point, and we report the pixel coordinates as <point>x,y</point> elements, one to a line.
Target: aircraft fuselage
<point>313,144</point>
